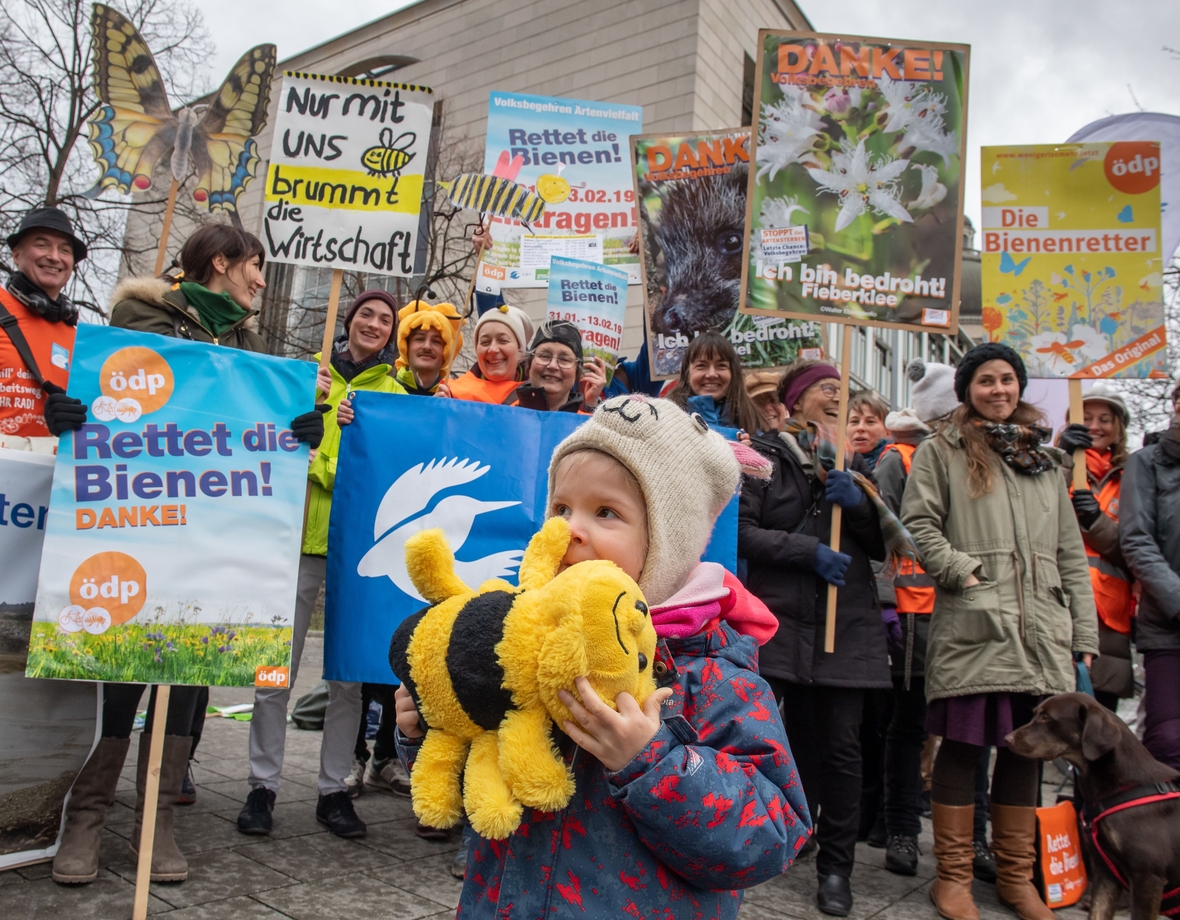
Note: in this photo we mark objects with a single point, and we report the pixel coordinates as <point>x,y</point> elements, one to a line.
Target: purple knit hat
<point>795,388</point>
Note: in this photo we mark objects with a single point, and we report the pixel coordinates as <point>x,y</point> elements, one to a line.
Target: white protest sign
<point>347,166</point>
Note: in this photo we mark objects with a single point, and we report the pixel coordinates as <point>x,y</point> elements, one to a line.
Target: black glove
<point>309,427</point>
<point>62,413</point>
<point>1085,506</point>
<point>1075,437</point>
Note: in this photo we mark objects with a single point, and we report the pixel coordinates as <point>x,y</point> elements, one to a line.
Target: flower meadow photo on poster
<point>858,155</point>
<point>175,519</point>
<point>1072,261</point>
<point>691,190</point>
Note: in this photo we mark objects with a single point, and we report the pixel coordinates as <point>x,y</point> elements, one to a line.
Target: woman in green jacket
<point>362,359</point>
<point>991,514</point>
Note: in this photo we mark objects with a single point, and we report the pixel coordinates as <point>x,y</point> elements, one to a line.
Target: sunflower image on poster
<point>856,185</point>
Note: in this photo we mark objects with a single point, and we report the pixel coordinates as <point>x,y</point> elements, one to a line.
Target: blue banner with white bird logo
<point>480,472</point>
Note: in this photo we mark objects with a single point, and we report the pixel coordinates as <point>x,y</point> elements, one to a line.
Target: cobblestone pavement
<point>301,871</point>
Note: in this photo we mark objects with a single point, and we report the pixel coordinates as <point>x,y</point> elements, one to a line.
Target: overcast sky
<point>1040,69</point>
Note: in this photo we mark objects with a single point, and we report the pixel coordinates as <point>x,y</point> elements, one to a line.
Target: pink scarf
<point>712,593</point>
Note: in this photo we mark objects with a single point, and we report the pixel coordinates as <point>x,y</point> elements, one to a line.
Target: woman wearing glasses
<point>558,378</point>
<point>783,530</point>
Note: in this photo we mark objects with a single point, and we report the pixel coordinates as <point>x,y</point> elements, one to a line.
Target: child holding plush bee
<point>683,801</point>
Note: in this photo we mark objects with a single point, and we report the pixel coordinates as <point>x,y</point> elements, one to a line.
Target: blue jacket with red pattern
<point>712,805</point>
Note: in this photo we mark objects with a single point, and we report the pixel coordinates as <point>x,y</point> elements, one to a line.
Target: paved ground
<point>303,872</point>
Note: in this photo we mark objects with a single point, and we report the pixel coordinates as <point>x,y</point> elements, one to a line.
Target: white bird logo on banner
<point>411,494</point>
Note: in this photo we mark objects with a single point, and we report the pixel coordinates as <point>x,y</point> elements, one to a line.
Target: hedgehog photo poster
<point>861,141</point>
<point>691,193</point>
<point>346,175</point>
<point>175,521</point>
<point>573,154</point>
<point>1072,258</point>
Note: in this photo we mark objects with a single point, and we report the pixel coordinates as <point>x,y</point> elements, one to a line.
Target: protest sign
<point>594,298</point>
<point>47,728</point>
<point>347,167</point>
<point>173,535</point>
<point>691,191</point>
<point>480,472</point>
<point>859,156</point>
<point>563,144</point>
<point>1072,260</point>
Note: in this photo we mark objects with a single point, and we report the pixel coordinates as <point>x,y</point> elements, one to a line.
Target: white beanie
<point>512,317</point>
<point>686,472</point>
<point>933,392</point>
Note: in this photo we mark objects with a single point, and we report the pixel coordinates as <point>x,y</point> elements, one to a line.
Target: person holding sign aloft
<point>783,528</point>
<point>991,513</point>
<point>209,300</point>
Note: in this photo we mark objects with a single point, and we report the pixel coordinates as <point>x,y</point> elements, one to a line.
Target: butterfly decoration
<point>1010,266</point>
<point>1126,215</point>
<point>135,127</point>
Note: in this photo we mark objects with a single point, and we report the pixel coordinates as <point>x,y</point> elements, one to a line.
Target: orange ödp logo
<point>1133,167</point>
<point>134,381</point>
<point>108,586</point>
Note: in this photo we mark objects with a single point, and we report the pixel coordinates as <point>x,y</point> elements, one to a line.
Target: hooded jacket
<point>712,805</point>
<point>1016,631</point>
<point>1149,533</point>
<point>322,472</point>
<point>780,523</point>
<point>158,305</point>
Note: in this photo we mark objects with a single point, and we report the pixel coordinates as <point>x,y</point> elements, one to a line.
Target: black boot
<point>901,854</point>
<point>336,811</point>
<point>834,896</point>
<point>256,815</point>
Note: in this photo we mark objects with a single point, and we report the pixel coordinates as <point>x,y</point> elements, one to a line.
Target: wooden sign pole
<point>1077,416</point>
<point>474,275</point>
<point>151,795</point>
<point>837,511</point>
<point>330,322</point>
<point>163,249</point>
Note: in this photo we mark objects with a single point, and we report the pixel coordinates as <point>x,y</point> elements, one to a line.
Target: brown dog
<point>1141,841</point>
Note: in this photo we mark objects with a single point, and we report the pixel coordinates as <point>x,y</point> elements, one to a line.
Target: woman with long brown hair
<point>991,514</point>
<point>711,384</point>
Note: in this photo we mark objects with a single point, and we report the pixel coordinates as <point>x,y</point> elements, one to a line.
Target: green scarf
<point>813,442</point>
<point>218,312</point>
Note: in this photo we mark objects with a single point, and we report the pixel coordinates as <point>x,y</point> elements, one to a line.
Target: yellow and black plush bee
<point>484,668</point>
<point>390,157</point>
<point>495,195</point>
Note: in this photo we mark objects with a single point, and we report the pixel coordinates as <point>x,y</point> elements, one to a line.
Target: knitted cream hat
<point>933,390</point>
<point>512,317</point>
<point>687,474</point>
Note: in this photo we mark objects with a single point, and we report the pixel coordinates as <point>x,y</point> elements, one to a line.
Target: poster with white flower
<point>861,141</point>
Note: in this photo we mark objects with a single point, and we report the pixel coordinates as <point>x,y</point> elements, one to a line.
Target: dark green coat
<point>155,305</point>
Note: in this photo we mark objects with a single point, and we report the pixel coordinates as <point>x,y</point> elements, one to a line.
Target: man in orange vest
<point>37,324</point>
<point>932,389</point>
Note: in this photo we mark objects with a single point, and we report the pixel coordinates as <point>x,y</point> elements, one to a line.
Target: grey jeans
<point>268,726</point>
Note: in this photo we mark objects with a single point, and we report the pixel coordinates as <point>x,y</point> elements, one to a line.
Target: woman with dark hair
<point>711,384</point>
<point>208,301</point>
<point>784,526</point>
<point>1149,534</point>
<point>990,511</point>
<point>1103,436</point>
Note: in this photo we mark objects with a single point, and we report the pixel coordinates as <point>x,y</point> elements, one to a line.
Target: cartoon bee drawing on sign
<point>390,157</point>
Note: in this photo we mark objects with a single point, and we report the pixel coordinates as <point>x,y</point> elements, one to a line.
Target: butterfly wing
<point>1021,264</point>
<point>134,126</point>
<point>1006,262</point>
<point>224,151</point>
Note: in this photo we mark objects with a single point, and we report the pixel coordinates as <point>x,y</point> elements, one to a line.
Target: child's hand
<point>613,737</point>
<point>407,712</point>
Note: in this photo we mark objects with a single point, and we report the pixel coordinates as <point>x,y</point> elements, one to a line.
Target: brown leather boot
<point>168,863</point>
<point>951,891</point>
<point>76,862</point>
<point>1014,843</point>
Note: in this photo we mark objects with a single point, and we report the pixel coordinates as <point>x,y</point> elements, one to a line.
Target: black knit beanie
<point>559,331</point>
<point>981,354</point>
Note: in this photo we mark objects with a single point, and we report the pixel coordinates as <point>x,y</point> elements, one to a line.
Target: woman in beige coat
<point>988,507</point>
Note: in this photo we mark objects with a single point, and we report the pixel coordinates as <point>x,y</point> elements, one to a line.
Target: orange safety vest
<point>476,389</point>
<point>914,588</point>
<point>1112,586</point>
<point>22,401</point>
